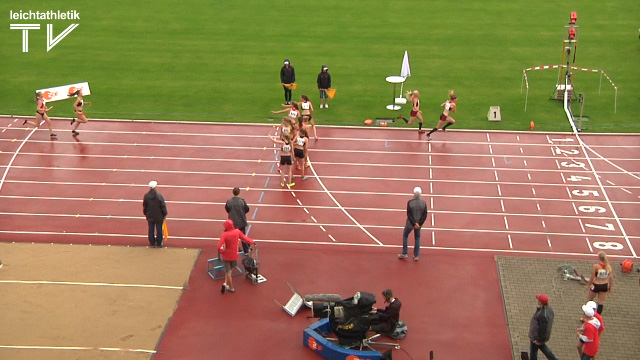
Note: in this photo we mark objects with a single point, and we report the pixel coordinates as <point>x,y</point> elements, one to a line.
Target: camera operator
<point>385,321</point>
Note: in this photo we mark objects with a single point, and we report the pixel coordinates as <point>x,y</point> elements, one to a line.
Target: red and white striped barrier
<point>525,80</point>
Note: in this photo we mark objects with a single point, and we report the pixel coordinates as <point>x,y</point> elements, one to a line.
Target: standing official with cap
<point>155,210</point>
<point>540,329</point>
<point>416,215</point>
<point>287,78</point>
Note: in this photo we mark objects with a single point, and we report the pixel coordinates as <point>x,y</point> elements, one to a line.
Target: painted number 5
<point>585,192</point>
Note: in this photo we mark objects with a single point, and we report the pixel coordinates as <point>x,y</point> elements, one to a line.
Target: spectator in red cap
<point>540,329</point>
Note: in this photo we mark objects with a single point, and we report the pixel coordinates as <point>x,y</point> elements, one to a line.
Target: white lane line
<point>37,282</point>
<point>340,206</point>
<point>39,347</point>
<point>6,170</point>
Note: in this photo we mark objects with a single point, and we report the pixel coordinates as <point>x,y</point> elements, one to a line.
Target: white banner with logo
<point>64,92</point>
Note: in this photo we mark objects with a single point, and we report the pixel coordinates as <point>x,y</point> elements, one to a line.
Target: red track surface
<point>339,231</point>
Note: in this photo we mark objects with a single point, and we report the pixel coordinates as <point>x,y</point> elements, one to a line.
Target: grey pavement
<point>521,278</point>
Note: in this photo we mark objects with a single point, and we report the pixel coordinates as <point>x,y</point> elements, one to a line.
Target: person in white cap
<point>589,334</point>
<point>324,83</point>
<point>594,306</point>
<point>416,215</point>
<point>154,209</point>
<point>287,78</point>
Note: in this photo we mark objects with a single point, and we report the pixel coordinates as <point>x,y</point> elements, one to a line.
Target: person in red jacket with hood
<point>228,249</point>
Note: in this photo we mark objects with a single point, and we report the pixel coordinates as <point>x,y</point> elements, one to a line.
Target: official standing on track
<point>540,329</point>
<point>237,209</point>
<point>155,209</point>
<point>416,215</point>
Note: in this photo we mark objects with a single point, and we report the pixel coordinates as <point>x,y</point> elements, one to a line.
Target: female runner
<point>41,114</point>
<point>285,158</point>
<point>449,105</point>
<point>415,110</point>
<point>307,113</point>
<point>81,117</point>
<point>300,151</point>
<point>292,109</point>
<point>286,128</point>
<point>601,281</point>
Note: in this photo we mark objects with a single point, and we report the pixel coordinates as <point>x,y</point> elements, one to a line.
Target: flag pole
<point>405,71</point>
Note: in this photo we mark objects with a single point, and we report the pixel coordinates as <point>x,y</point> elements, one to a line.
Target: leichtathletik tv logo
<point>50,15</point>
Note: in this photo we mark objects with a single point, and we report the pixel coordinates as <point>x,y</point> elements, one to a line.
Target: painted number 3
<point>603,245</point>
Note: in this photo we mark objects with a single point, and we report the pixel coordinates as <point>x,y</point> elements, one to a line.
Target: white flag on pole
<point>406,70</point>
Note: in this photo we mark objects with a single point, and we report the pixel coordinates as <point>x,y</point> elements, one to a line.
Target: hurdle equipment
<point>215,266</point>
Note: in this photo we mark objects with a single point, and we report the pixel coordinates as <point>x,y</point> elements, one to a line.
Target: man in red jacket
<point>228,249</point>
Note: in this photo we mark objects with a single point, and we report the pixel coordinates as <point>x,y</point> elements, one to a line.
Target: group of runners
<point>445,118</point>
<point>294,139</point>
<point>42,110</point>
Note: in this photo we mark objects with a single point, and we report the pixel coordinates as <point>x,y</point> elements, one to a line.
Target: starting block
<point>215,267</point>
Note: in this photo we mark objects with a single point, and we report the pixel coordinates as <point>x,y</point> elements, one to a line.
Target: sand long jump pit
<point>88,302</point>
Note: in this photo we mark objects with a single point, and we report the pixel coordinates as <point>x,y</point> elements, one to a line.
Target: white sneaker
<point>326,105</point>
<point>321,106</point>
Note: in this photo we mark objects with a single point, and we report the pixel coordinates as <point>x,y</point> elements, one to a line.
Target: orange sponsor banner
<point>64,92</point>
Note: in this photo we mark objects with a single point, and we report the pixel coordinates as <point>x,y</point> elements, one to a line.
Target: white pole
<point>600,87</point>
<point>615,102</point>
<point>526,99</point>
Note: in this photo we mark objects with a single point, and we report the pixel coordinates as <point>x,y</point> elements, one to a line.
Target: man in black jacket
<point>385,321</point>
<point>416,215</point>
<point>237,209</point>
<point>324,83</point>
<point>155,210</point>
<point>287,78</point>
<point>540,329</point>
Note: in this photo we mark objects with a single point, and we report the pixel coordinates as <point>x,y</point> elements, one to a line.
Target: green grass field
<point>220,60</point>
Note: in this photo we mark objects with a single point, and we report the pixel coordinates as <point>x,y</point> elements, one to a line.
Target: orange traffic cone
<point>532,125</point>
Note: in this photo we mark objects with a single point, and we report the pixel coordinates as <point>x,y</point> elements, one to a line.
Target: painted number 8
<point>603,245</point>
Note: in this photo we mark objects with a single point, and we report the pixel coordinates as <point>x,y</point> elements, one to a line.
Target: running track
<point>515,193</point>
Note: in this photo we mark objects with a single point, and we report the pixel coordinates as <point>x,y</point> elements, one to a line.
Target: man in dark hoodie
<point>155,209</point>
<point>540,329</point>
<point>287,78</point>
<point>228,249</point>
